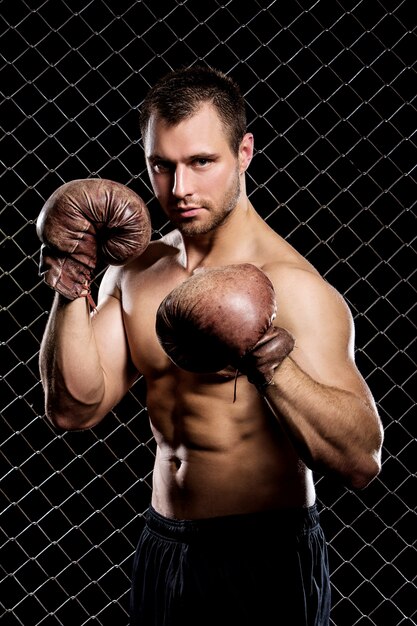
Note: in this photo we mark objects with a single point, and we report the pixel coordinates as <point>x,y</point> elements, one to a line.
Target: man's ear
<point>245,152</point>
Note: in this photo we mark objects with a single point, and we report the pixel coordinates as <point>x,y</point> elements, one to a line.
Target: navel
<point>176,463</point>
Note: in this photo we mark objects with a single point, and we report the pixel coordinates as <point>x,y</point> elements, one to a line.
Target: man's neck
<point>225,245</point>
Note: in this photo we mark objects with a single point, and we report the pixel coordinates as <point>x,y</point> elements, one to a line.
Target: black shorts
<point>267,568</point>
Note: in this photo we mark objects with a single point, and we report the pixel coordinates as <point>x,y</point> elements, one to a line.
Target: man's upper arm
<point>110,335</point>
<point>321,322</point>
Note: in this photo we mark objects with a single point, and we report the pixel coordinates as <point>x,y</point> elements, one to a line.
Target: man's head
<point>181,93</point>
<point>196,148</point>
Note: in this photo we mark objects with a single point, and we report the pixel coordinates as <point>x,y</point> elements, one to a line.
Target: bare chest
<point>140,304</point>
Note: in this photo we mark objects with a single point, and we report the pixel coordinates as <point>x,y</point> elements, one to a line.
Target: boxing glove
<point>84,221</point>
<point>215,317</point>
<point>259,363</point>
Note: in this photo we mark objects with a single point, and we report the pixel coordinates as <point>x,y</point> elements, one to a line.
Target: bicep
<point>322,325</point>
<point>112,345</point>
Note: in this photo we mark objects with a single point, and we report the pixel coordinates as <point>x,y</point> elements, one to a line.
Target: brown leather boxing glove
<point>215,317</point>
<point>260,363</point>
<point>84,220</point>
<point>223,316</point>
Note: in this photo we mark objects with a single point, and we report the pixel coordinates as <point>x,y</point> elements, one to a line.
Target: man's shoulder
<point>297,278</point>
<point>171,239</point>
<point>291,267</point>
<point>168,246</point>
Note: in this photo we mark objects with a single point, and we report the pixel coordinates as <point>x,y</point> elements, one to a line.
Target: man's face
<point>194,174</point>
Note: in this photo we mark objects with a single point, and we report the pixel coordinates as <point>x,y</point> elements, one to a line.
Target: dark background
<point>331,93</point>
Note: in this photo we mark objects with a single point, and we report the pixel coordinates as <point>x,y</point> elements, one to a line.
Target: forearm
<point>70,368</point>
<point>333,430</point>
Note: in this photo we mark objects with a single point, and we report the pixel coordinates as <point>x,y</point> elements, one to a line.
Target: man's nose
<point>182,185</point>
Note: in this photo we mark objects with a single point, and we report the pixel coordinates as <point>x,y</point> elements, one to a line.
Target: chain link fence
<point>331,91</point>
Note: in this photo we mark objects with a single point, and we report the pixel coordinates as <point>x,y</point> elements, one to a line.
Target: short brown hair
<point>180,93</point>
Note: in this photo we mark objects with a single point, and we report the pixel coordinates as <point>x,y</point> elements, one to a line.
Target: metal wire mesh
<point>331,92</point>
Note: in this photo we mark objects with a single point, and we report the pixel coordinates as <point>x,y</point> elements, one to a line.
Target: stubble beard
<point>193,228</point>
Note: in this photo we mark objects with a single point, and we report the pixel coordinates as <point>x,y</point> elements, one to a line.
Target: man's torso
<point>220,450</point>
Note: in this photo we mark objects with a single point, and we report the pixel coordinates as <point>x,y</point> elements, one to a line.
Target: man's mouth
<point>188,211</point>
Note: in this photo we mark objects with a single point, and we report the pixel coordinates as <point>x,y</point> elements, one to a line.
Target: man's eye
<point>160,167</point>
<point>202,162</point>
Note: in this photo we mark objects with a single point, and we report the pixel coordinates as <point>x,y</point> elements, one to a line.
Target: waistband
<point>295,521</point>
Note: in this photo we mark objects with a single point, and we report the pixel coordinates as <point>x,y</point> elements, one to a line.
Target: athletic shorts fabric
<point>261,569</point>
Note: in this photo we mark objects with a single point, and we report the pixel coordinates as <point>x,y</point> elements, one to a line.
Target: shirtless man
<point>232,534</point>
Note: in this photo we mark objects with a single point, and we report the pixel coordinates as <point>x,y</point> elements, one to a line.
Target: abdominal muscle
<point>216,456</point>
